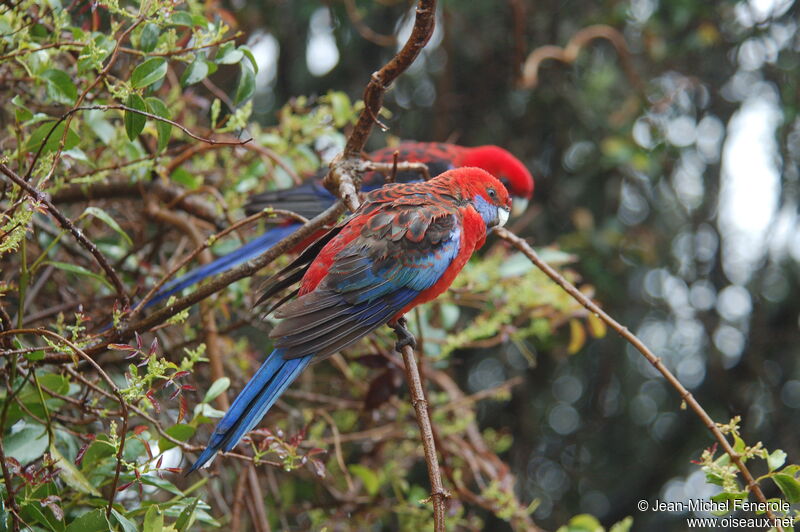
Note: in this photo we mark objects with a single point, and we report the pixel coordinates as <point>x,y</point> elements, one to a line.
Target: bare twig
<point>69,226</point>
<point>259,515</point>
<point>685,394</point>
<point>365,31</point>
<point>568,54</point>
<point>438,494</point>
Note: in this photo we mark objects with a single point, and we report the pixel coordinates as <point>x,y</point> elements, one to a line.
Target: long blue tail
<point>251,250</point>
<point>269,382</point>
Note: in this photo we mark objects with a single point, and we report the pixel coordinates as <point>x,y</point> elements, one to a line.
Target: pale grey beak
<point>502,216</point>
<point>518,206</point>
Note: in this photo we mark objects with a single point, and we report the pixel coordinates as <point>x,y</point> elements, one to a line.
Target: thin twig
<point>208,242</point>
<point>69,226</point>
<point>250,267</point>
<point>115,390</point>
<point>685,394</point>
<point>438,493</point>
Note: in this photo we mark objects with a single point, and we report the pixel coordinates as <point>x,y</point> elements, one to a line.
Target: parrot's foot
<point>404,336</point>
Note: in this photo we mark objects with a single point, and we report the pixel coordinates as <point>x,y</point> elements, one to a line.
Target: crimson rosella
<point>311,198</point>
<point>402,247</point>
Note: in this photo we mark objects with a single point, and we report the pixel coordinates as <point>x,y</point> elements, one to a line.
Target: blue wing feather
<point>260,393</point>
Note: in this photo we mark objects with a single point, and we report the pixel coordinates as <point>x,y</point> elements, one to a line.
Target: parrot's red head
<point>486,193</point>
<point>505,167</point>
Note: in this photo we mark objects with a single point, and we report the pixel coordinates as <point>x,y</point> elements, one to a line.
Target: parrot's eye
<point>492,193</point>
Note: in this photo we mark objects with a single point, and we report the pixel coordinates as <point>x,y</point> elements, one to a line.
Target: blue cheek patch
<point>487,211</point>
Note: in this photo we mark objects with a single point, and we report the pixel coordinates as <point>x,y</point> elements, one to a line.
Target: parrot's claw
<point>404,336</point>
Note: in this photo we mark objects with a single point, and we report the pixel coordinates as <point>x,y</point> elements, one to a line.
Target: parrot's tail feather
<point>251,250</point>
<point>269,382</point>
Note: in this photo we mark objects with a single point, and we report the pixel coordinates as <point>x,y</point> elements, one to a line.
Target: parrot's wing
<point>402,250</point>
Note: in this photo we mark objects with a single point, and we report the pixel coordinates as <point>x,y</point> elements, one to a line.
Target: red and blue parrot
<point>311,198</point>
<point>402,247</point>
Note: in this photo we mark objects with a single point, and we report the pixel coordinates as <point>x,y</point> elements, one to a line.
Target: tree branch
<point>344,177</point>
<point>247,269</point>
<point>69,226</point>
<point>438,494</point>
<point>685,394</point>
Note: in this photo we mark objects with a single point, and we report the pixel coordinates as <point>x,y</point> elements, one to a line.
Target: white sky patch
<point>750,185</point>
<point>265,49</point>
<point>322,54</point>
<point>755,11</point>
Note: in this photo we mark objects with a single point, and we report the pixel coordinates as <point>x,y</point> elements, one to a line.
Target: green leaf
<point>195,72</point>
<point>582,523</point>
<point>99,449</point>
<point>776,459</point>
<point>367,476</point>
<point>35,356</point>
<point>247,84</point>
<point>40,133</point>
<point>228,54</point>
<point>153,520</point>
<point>186,519</point>
<point>249,54</point>
<point>26,443</point>
<point>149,37</point>
<point>162,483</point>
<point>126,524</point>
<point>181,432</point>
<point>186,179</point>
<point>33,511</point>
<point>94,521</point>
<point>101,127</point>
<point>164,129</point>
<point>219,386</point>
<point>342,108</point>
<point>134,122</point>
<point>22,113</point>
<point>102,215</point>
<point>70,474</point>
<point>60,86</point>
<point>622,526</point>
<point>79,270</point>
<point>181,18</point>
<point>789,486</point>
<point>149,72</point>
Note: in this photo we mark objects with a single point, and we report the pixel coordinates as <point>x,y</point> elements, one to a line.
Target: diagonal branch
<point>685,394</point>
<point>69,226</point>
<point>247,269</point>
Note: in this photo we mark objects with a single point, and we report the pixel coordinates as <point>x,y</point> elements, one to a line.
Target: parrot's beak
<point>502,216</point>
<point>518,206</point>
